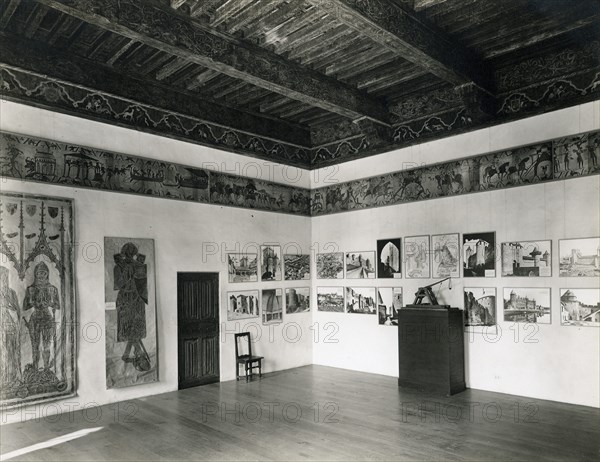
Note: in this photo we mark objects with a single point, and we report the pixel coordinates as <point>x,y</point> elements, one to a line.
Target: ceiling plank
<point>412,37</point>
<point>33,23</point>
<point>161,27</point>
<point>34,56</point>
<point>113,59</point>
<point>9,10</point>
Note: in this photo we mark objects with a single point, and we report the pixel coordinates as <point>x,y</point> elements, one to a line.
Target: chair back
<point>243,344</point>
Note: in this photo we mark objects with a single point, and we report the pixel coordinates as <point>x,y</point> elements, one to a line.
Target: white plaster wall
<point>187,237</point>
<point>564,362</point>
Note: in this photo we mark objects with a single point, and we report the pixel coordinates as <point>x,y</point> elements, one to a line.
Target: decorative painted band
<point>34,159</point>
<point>558,159</point>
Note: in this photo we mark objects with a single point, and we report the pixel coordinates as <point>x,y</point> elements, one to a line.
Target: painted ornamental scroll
<point>37,303</point>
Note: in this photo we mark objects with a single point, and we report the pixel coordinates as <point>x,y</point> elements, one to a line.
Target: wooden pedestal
<point>431,349</point>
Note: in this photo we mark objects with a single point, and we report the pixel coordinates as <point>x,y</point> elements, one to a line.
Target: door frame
<point>218,274</point>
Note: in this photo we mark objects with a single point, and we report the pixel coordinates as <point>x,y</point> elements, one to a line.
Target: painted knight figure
<point>37,312</point>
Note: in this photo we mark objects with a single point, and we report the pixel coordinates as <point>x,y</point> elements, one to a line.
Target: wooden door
<point>198,328</point>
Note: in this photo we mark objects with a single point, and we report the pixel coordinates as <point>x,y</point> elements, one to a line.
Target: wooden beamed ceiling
<point>302,82</point>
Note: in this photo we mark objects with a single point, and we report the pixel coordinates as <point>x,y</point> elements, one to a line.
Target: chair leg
<point>260,368</point>
<point>246,372</point>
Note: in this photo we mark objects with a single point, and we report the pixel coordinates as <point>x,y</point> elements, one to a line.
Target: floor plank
<point>317,413</point>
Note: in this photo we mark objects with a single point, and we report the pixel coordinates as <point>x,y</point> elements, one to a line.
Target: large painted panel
<point>130,312</point>
<point>37,303</point>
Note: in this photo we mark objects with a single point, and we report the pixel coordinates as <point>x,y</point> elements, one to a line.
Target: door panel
<point>198,328</point>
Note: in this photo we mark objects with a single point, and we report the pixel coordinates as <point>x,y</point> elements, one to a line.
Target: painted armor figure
<point>130,279</point>
<point>10,351</point>
<point>41,296</point>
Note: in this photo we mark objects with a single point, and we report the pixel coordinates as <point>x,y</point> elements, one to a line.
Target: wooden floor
<point>360,417</point>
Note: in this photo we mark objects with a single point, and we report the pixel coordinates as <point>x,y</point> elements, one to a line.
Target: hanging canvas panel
<point>479,255</point>
<point>579,257</point>
<point>580,307</point>
<point>416,257</point>
<point>296,267</point>
<point>527,304</point>
<point>130,312</point>
<point>446,255</point>
<point>242,267</point>
<point>330,299</point>
<point>360,265</point>
<point>272,306</point>
<point>388,306</point>
<point>37,302</point>
<point>297,300</point>
<point>242,305</point>
<point>480,307</point>
<point>271,262</point>
<point>361,300</point>
<point>388,259</point>
<point>330,265</point>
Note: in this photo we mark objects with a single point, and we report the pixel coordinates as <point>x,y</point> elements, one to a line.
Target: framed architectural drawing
<point>579,257</point>
<point>330,299</point>
<point>270,260</point>
<point>479,255</point>
<point>580,307</point>
<point>416,257</point>
<point>37,300</point>
<point>360,265</point>
<point>446,255</point>
<point>242,305</point>
<point>361,300</point>
<point>296,267</point>
<point>387,310</point>
<point>272,306</point>
<point>527,258</point>
<point>480,306</point>
<point>330,265</point>
<point>242,267</point>
<point>529,305</point>
<point>297,300</point>
<point>130,312</point>
<point>389,258</point>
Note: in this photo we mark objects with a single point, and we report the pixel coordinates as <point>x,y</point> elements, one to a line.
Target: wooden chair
<point>250,362</point>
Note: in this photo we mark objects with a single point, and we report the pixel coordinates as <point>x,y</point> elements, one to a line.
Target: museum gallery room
<point>299,230</point>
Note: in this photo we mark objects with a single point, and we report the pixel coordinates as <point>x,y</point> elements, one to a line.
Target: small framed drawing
<point>360,265</point>
<point>243,267</point>
<point>270,256</point>
<point>446,255</point>
<point>296,267</point>
<point>580,307</point>
<point>387,310</point>
<point>527,258</point>
<point>579,257</point>
<point>330,299</point>
<point>416,257</point>
<point>360,300</point>
<point>527,304</point>
<point>272,306</point>
<point>479,255</point>
<point>242,304</point>
<point>297,300</point>
<point>389,258</point>
<point>330,265</point>
<point>480,308</point>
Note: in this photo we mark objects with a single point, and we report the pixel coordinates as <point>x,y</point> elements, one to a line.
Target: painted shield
<point>11,208</point>
<point>31,209</point>
<point>53,211</point>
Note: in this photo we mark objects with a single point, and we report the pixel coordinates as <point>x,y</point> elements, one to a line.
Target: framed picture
<point>398,298</point>
<point>530,305</point>
<point>242,305</point>
<point>480,306</point>
<point>387,310</point>
<point>579,257</point>
<point>361,300</point>
<point>296,267</point>
<point>416,257</point>
<point>479,255</point>
<point>527,258</point>
<point>360,265</point>
<point>297,300</point>
<point>446,255</point>
<point>270,259</point>
<point>330,265</point>
<point>272,306</point>
<point>389,258</point>
<point>580,307</point>
<point>130,312</point>
<point>330,299</point>
<point>242,267</point>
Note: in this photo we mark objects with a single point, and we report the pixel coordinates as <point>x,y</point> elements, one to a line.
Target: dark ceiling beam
<point>161,27</point>
<point>412,37</point>
<point>33,56</point>
<point>7,12</point>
